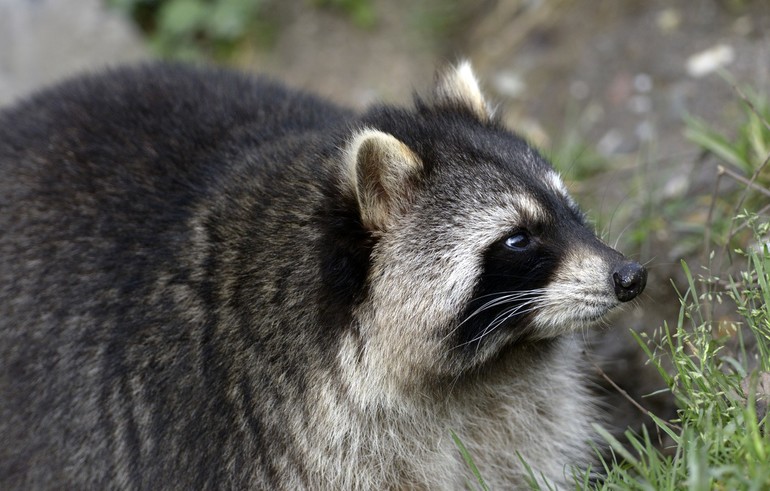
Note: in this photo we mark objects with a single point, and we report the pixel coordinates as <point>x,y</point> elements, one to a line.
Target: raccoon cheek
<point>580,295</point>
<point>383,173</point>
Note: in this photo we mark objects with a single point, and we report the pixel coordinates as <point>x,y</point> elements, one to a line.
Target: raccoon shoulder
<point>153,130</point>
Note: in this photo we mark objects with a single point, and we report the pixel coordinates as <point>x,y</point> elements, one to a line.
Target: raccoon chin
<point>557,319</point>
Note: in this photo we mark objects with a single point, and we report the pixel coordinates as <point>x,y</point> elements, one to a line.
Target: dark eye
<point>518,241</point>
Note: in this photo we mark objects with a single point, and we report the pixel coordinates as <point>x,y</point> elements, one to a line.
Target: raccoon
<point>209,280</point>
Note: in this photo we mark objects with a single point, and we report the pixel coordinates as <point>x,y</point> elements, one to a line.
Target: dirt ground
<point>619,74</point>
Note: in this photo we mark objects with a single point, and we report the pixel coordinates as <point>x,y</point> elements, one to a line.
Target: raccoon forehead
<point>517,210</point>
<point>554,179</point>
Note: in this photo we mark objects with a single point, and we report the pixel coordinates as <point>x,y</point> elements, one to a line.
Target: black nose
<point>629,278</point>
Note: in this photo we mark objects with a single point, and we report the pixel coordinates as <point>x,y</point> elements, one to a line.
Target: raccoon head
<point>478,247</point>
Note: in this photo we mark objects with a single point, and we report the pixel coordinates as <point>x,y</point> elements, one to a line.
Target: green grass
<point>718,440</point>
<point>715,357</point>
<point>468,458</point>
<point>750,144</point>
<point>360,12</point>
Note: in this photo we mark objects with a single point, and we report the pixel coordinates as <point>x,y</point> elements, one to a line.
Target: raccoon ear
<point>458,87</point>
<point>383,172</point>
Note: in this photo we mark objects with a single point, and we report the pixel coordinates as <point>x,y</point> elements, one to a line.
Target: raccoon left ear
<point>458,87</point>
<point>383,173</point>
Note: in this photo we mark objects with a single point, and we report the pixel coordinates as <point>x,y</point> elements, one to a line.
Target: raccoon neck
<point>531,401</point>
<point>378,380</point>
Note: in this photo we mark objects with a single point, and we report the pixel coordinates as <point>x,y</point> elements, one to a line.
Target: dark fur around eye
<point>505,295</point>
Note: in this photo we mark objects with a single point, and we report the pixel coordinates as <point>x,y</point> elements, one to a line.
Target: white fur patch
<point>529,208</point>
<point>460,86</point>
<point>557,183</point>
<point>579,296</point>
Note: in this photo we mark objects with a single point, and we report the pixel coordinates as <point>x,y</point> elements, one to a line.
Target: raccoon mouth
<point>536,314</point>
<point>561,317</point>
<point>597,317</point>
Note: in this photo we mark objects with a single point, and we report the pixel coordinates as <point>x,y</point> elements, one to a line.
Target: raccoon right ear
<point>459,87</point>
<point>383,172</point>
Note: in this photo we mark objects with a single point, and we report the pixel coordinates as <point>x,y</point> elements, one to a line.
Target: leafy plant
<point>360,12</point>
<point>744,158</point>
<point>748,148</point>
<point>719,370</point>
<point>217,29</point>
<point>193,29</point>
<point>721,438</point>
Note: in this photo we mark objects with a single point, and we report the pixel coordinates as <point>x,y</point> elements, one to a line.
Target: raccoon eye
<point>518,241</point>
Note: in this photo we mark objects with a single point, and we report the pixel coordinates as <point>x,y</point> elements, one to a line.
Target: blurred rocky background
<point>608,89</point>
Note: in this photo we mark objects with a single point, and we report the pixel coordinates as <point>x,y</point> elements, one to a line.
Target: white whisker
<point>501,299</point>
<point>500,319</point>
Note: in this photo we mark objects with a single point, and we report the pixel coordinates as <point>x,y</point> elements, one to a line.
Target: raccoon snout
<point>629,278</point>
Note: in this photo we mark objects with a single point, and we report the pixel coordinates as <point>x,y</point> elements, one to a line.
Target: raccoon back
<point>110,271</point>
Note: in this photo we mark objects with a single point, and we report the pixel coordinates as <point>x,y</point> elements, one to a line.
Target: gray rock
<point>42,41</point>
